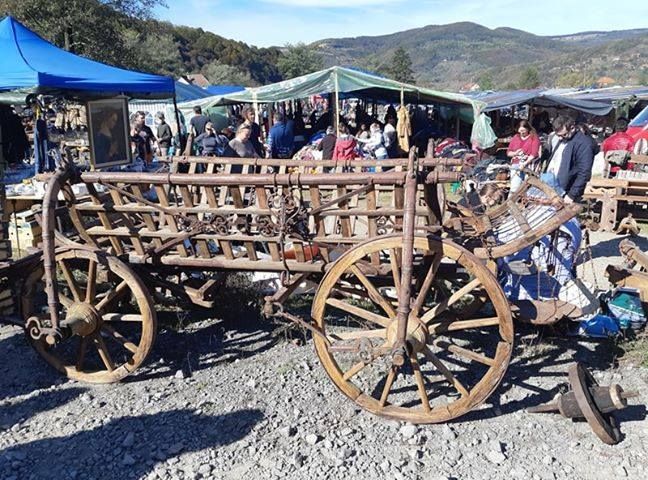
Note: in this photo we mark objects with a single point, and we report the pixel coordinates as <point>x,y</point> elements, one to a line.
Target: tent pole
<point>336,121</point>
<point>530,116</point>
<point>177,119</point>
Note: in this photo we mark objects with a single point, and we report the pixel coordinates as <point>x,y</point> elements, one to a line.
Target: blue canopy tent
<point>214,90</point>
<point>30,64</point>
<point>188,93</point>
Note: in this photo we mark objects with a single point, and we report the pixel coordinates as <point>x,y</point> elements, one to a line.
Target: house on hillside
<point>197,79</point>
<point>605,82</point>
<point>470,87</point>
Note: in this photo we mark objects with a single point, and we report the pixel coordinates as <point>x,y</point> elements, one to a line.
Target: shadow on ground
<point>538,354</point>
<point>22,371</point>
<point>205,344</point>
<point>21,411</point>
<point>610,248</point>
<point>99,453</point>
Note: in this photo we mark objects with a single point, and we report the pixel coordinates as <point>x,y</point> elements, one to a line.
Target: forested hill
<point>124,33</point>
<point>450,56</point>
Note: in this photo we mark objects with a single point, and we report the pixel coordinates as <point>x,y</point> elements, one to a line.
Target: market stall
<point>31,66</point>
<point>341,83</point>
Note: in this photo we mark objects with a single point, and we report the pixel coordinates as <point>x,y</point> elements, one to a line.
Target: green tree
<point>529,78</point>
<point>93,28</point>
<point>642,79</point>
<point>485,82</point>
<point>299,59</point>
<point>400,67</point>
<point>153,52</point>
<point>221,74</point>
<point>574,79</point>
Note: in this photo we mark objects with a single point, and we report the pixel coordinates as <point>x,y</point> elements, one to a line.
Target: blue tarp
<point>188,93</point>
<point>541,98</point>
<point>29,62</point>
<point>213,90</point>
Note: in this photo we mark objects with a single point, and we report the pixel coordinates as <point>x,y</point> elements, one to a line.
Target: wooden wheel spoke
<point>427,283</point>
<point>358,367</point>
<point>81,353</point>
<point>119,338</point>
<point>69,278</point>
<point>377,333</point>
<point>354,370</point>
<point>443,370</point>
<point>112,295</point>
<point>91,285</point>
<point>391,376</point>
<point>465,353</point>
<point>420,383</point>
<point>447,303</point>
<point>358,311</point>
<point>65,300</point>
<point>443,326</point>
<point>373,292</point>
<point>121,317</point>
<point>395,268</point>
<point>104,353</point>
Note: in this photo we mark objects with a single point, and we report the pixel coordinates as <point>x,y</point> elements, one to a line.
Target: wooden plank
<point>134,237</point>
<point>345,221</point>
<point>105,221</point>
<point>262,201</point>
<point>203,248</point>
<point>373,226</point>
<point>148,218</point>
<point>170,220</point>
<point>320,227</point>
<point>237,198</point>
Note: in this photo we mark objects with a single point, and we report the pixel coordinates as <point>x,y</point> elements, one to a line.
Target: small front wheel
<point>105,309</point>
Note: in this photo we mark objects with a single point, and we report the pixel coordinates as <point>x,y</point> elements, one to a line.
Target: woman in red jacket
<point>345,145</point>
<point>523,151</point>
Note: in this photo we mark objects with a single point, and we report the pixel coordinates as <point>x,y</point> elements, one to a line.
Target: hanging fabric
<point>403,129</point>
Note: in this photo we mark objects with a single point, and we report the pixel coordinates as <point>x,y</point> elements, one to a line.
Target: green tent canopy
<point>346,82</point>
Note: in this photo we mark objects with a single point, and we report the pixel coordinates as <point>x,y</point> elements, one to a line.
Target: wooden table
<point>611,191</point>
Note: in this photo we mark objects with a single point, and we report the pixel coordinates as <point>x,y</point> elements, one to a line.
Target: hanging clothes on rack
<point>403,129</point>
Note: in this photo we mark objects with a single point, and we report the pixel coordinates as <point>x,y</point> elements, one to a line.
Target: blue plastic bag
<point>599,326</point>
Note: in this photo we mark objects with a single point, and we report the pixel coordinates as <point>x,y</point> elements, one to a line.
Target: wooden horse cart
<point>408,319</point>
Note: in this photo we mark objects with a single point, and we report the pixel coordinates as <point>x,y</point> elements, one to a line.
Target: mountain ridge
<point>453,55</point>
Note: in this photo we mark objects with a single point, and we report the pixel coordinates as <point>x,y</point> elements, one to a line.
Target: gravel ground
<point>224,403</point>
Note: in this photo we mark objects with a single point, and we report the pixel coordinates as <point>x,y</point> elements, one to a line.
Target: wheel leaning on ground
<point>118,325</point>
<point>455,361</point>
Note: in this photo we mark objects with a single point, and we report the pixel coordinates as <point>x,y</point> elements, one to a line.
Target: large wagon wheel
<point>110,308</point>
<point>455,362</point>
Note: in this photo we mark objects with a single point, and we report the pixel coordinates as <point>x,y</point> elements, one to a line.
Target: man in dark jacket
<point>164,134</point>
<point>281,140</point>
<point>249,115</point>
<point>327,144</point>
<point>571,159</point>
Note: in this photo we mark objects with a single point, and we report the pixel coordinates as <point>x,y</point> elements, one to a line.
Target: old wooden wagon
<point>408,320</point>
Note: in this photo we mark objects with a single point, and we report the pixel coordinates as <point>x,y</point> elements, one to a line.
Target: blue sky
<point>277,22</point>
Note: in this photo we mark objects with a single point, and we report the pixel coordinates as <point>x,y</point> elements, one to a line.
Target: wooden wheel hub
<point>82,319</point>
<point>416,336</point>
